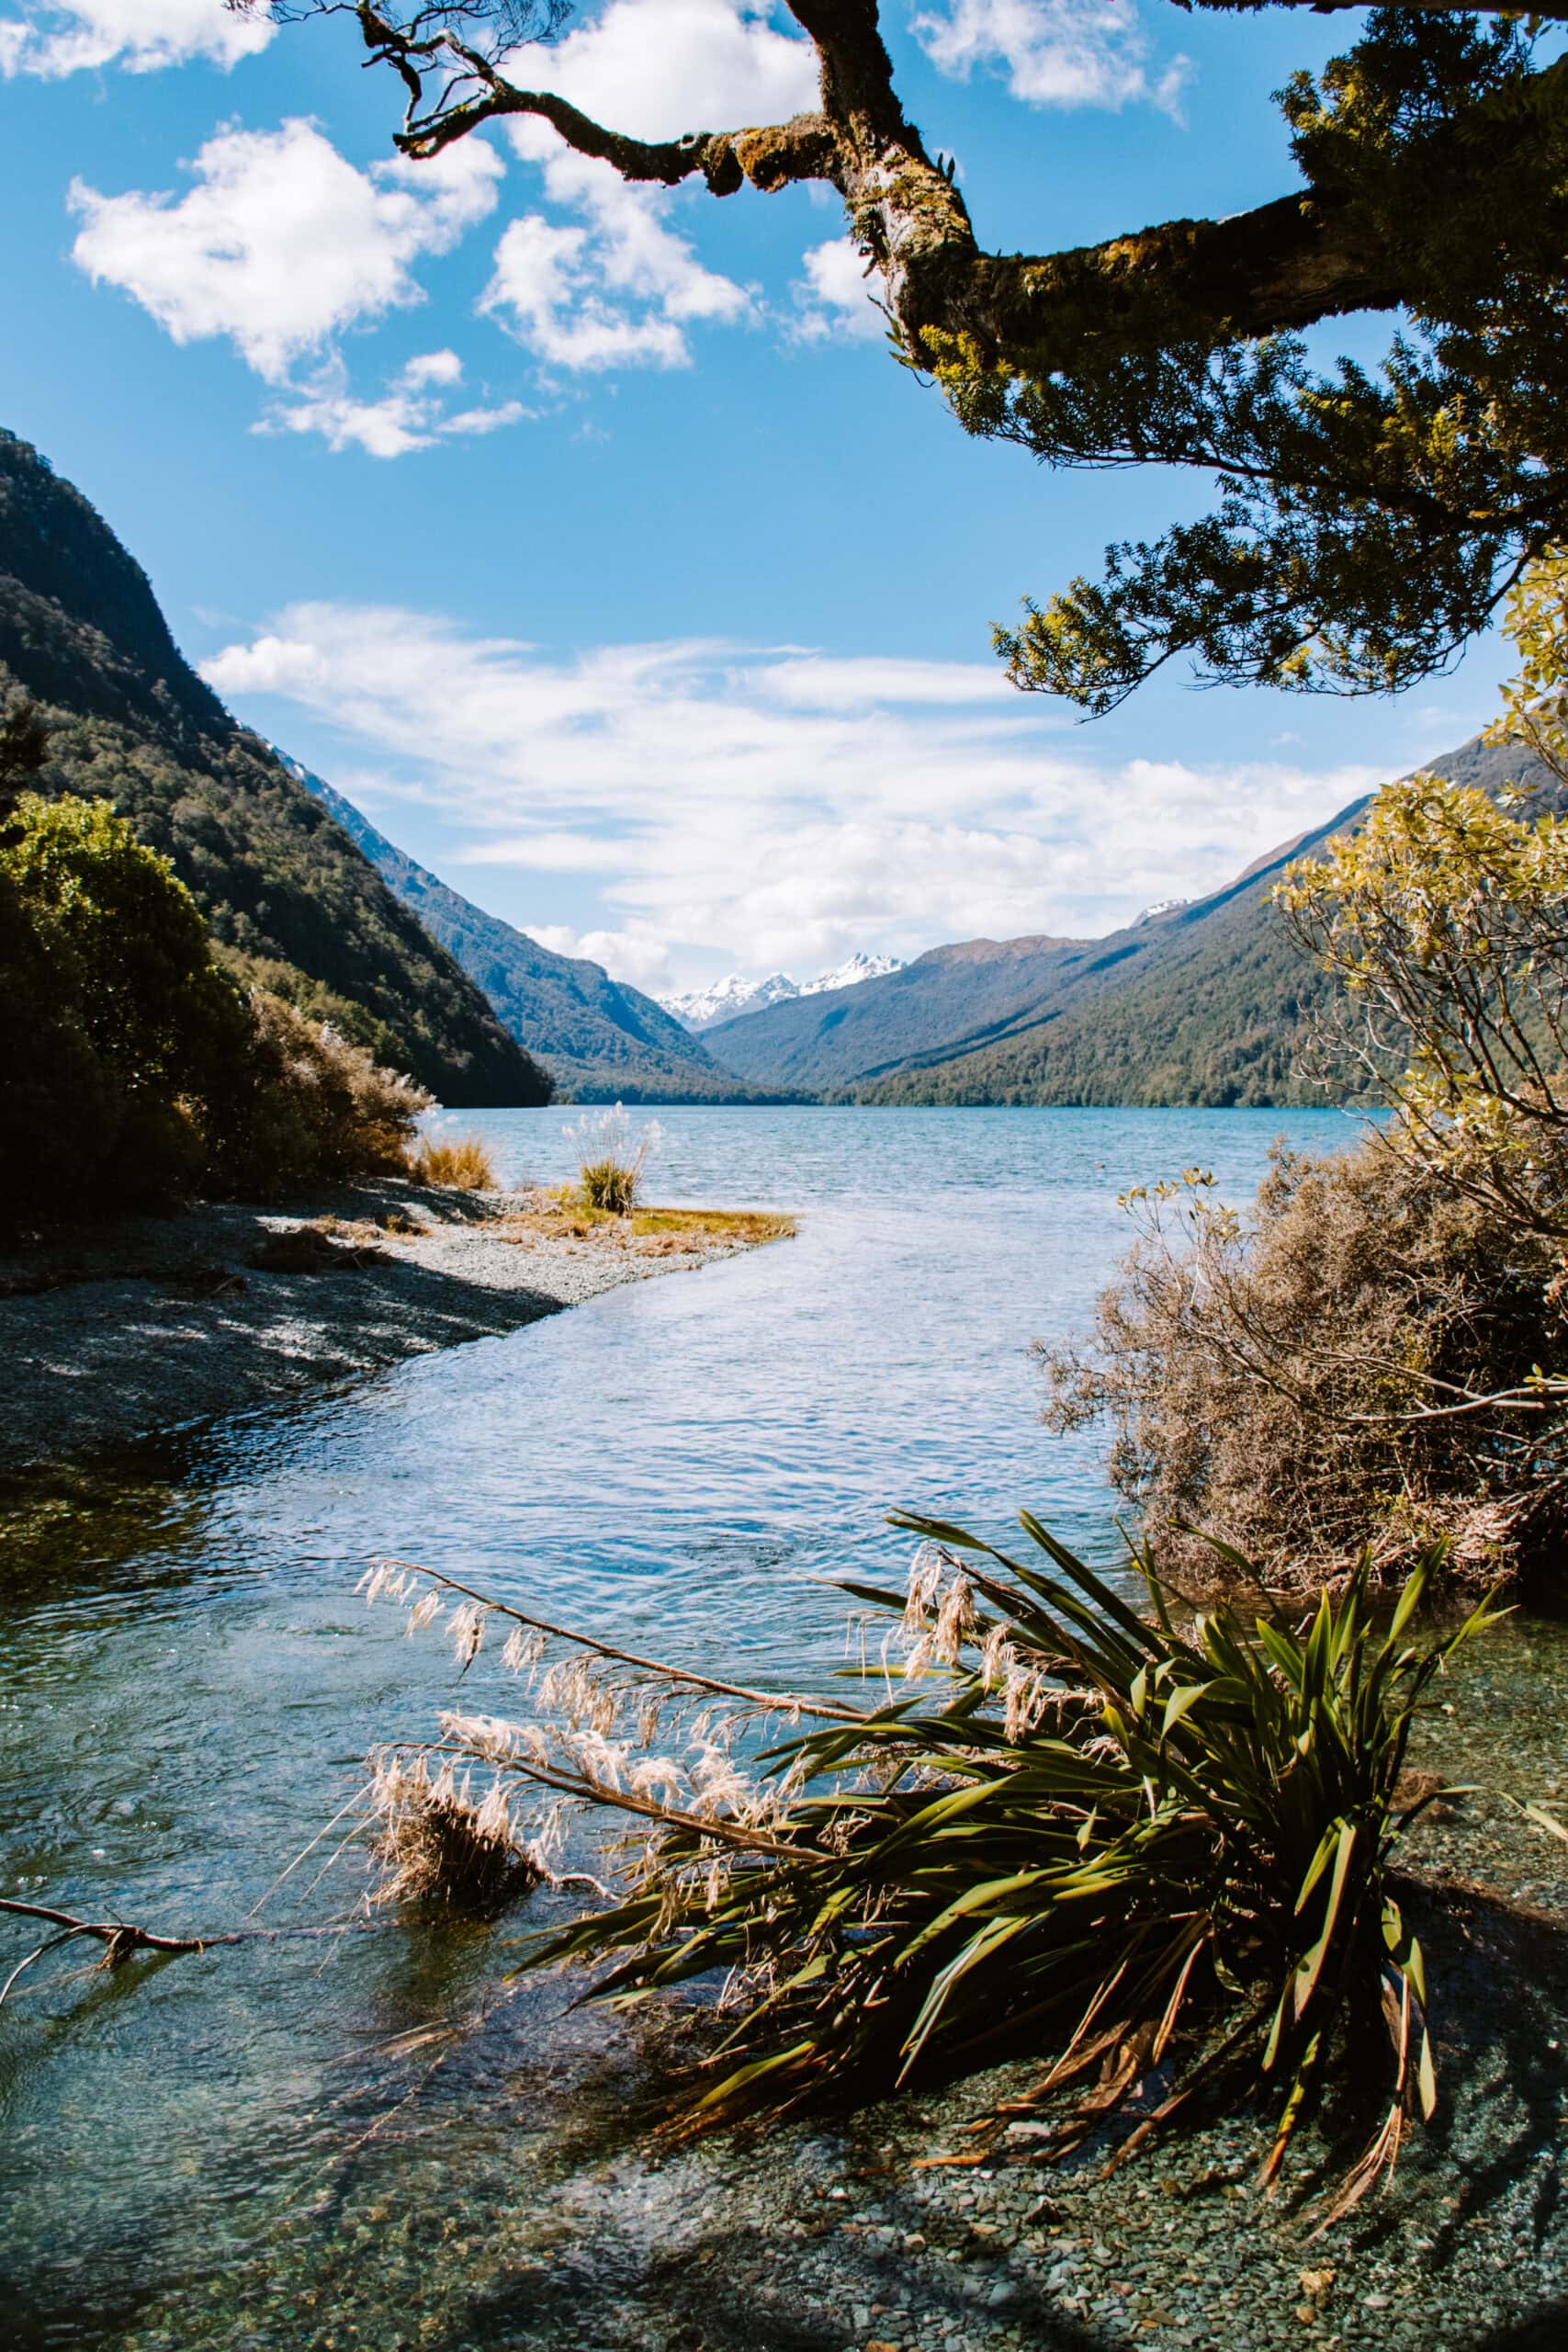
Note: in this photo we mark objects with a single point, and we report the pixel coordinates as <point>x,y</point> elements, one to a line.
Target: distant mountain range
<point>1205,1002</point>
<point>734,996</point>
<point>1201,1004</point>
<point>289,898</point>
<point>601,1040</point>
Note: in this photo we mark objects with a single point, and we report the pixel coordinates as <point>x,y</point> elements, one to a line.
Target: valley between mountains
<point>1202,1003</point>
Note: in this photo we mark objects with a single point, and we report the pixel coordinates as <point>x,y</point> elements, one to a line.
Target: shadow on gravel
<point>700,2304</point>
<point>1544,2331</point>
<point>1499,2138</point>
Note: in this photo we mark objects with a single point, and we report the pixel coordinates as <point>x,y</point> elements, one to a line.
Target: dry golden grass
<point>558,1215</point>
<point>465,1165</point>
<point>729,1225</point>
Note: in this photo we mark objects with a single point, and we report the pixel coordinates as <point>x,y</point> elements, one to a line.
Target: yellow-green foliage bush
<point>122,1032</point>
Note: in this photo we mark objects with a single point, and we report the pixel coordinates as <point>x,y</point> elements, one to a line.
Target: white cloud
<point>411,412</point>
<point>690,802</point>
<point>1053,52</point>
<point>635,952</point>
<point>60,37</point>
<point>282,243</point>
<point>616,288</point>
<point>659,68</point>
<point>613,285</point>
<point>836,299</point>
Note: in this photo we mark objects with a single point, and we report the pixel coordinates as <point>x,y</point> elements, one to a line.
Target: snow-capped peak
<point>727,999</point>
<point>858,966</point>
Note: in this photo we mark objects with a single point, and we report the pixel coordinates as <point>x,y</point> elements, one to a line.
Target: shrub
<point>1445,923</point>
<point>122,1034</point>
<point>465,1164</point>
<point>136,1070</point>
<point>61,1105</point>
<point>610,1158</point>
<point>1359,1359</point>
<point>1166,1852</point>
<point>308,1108</point>
<point>110,911</point>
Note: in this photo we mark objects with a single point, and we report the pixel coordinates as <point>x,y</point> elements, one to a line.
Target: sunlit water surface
<point>188,1687</point>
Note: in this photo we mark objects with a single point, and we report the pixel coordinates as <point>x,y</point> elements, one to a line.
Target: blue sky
<point>588,537</point>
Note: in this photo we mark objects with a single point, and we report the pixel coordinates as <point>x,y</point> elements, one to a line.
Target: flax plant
<point>1160,1852</point>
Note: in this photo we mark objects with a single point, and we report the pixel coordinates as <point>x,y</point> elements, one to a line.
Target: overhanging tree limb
<point>1367,525</point>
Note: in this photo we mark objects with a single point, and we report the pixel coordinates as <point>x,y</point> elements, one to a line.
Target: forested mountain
<point>601,1040</point>
<point>831,1041</point>
<point>1204,1004</point>
<point>288,896</point>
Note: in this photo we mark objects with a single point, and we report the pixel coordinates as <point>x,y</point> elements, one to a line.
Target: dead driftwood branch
<point>121,1939</point>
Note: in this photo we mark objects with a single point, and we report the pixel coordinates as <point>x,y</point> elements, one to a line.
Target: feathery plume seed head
<point>466,1630</point>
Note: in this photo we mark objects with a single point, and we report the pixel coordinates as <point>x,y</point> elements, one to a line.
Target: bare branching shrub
<point>611,1159</point>
<point>1357,1360</point>
<point>464,1163</point>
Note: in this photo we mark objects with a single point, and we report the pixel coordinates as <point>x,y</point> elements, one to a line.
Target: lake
<point>213,2151</point>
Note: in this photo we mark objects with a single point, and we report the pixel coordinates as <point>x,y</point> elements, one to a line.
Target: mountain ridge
<point>1206,1003</point>
<point>290,902</point>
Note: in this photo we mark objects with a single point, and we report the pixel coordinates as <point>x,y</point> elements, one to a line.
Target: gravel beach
<point>120,1333</point>
<point>833,2236</point>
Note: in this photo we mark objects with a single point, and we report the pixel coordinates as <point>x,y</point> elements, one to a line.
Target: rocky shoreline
<point>113,1335</point>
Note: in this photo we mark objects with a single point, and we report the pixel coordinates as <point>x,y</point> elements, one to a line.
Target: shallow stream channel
<point>369,2138</point>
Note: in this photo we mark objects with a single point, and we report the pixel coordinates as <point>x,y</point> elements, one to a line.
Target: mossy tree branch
<point>1367,525</point>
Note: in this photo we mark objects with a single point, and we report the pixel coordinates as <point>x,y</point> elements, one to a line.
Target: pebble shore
<point>112,1335</point>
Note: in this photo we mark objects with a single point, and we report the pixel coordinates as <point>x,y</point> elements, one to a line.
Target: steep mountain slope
<point>1213,1009</point>
<point>1201,1003</point>
<point>601,1040</point>
<point>288,896</point>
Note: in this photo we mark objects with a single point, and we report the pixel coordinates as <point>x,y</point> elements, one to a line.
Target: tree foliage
<point>1367,521</point>
<point>136,1069</point>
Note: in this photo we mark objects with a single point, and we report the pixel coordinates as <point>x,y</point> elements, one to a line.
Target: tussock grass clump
<point>1161,1855</point>
<point>611,1159</point>
<point>464,1163</point>
<point>436,1844</point>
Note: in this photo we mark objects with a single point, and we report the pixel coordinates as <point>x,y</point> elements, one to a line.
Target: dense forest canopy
<point>1367,522</point>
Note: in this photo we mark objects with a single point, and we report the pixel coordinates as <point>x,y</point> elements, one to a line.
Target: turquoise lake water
<point>187,1684</point>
